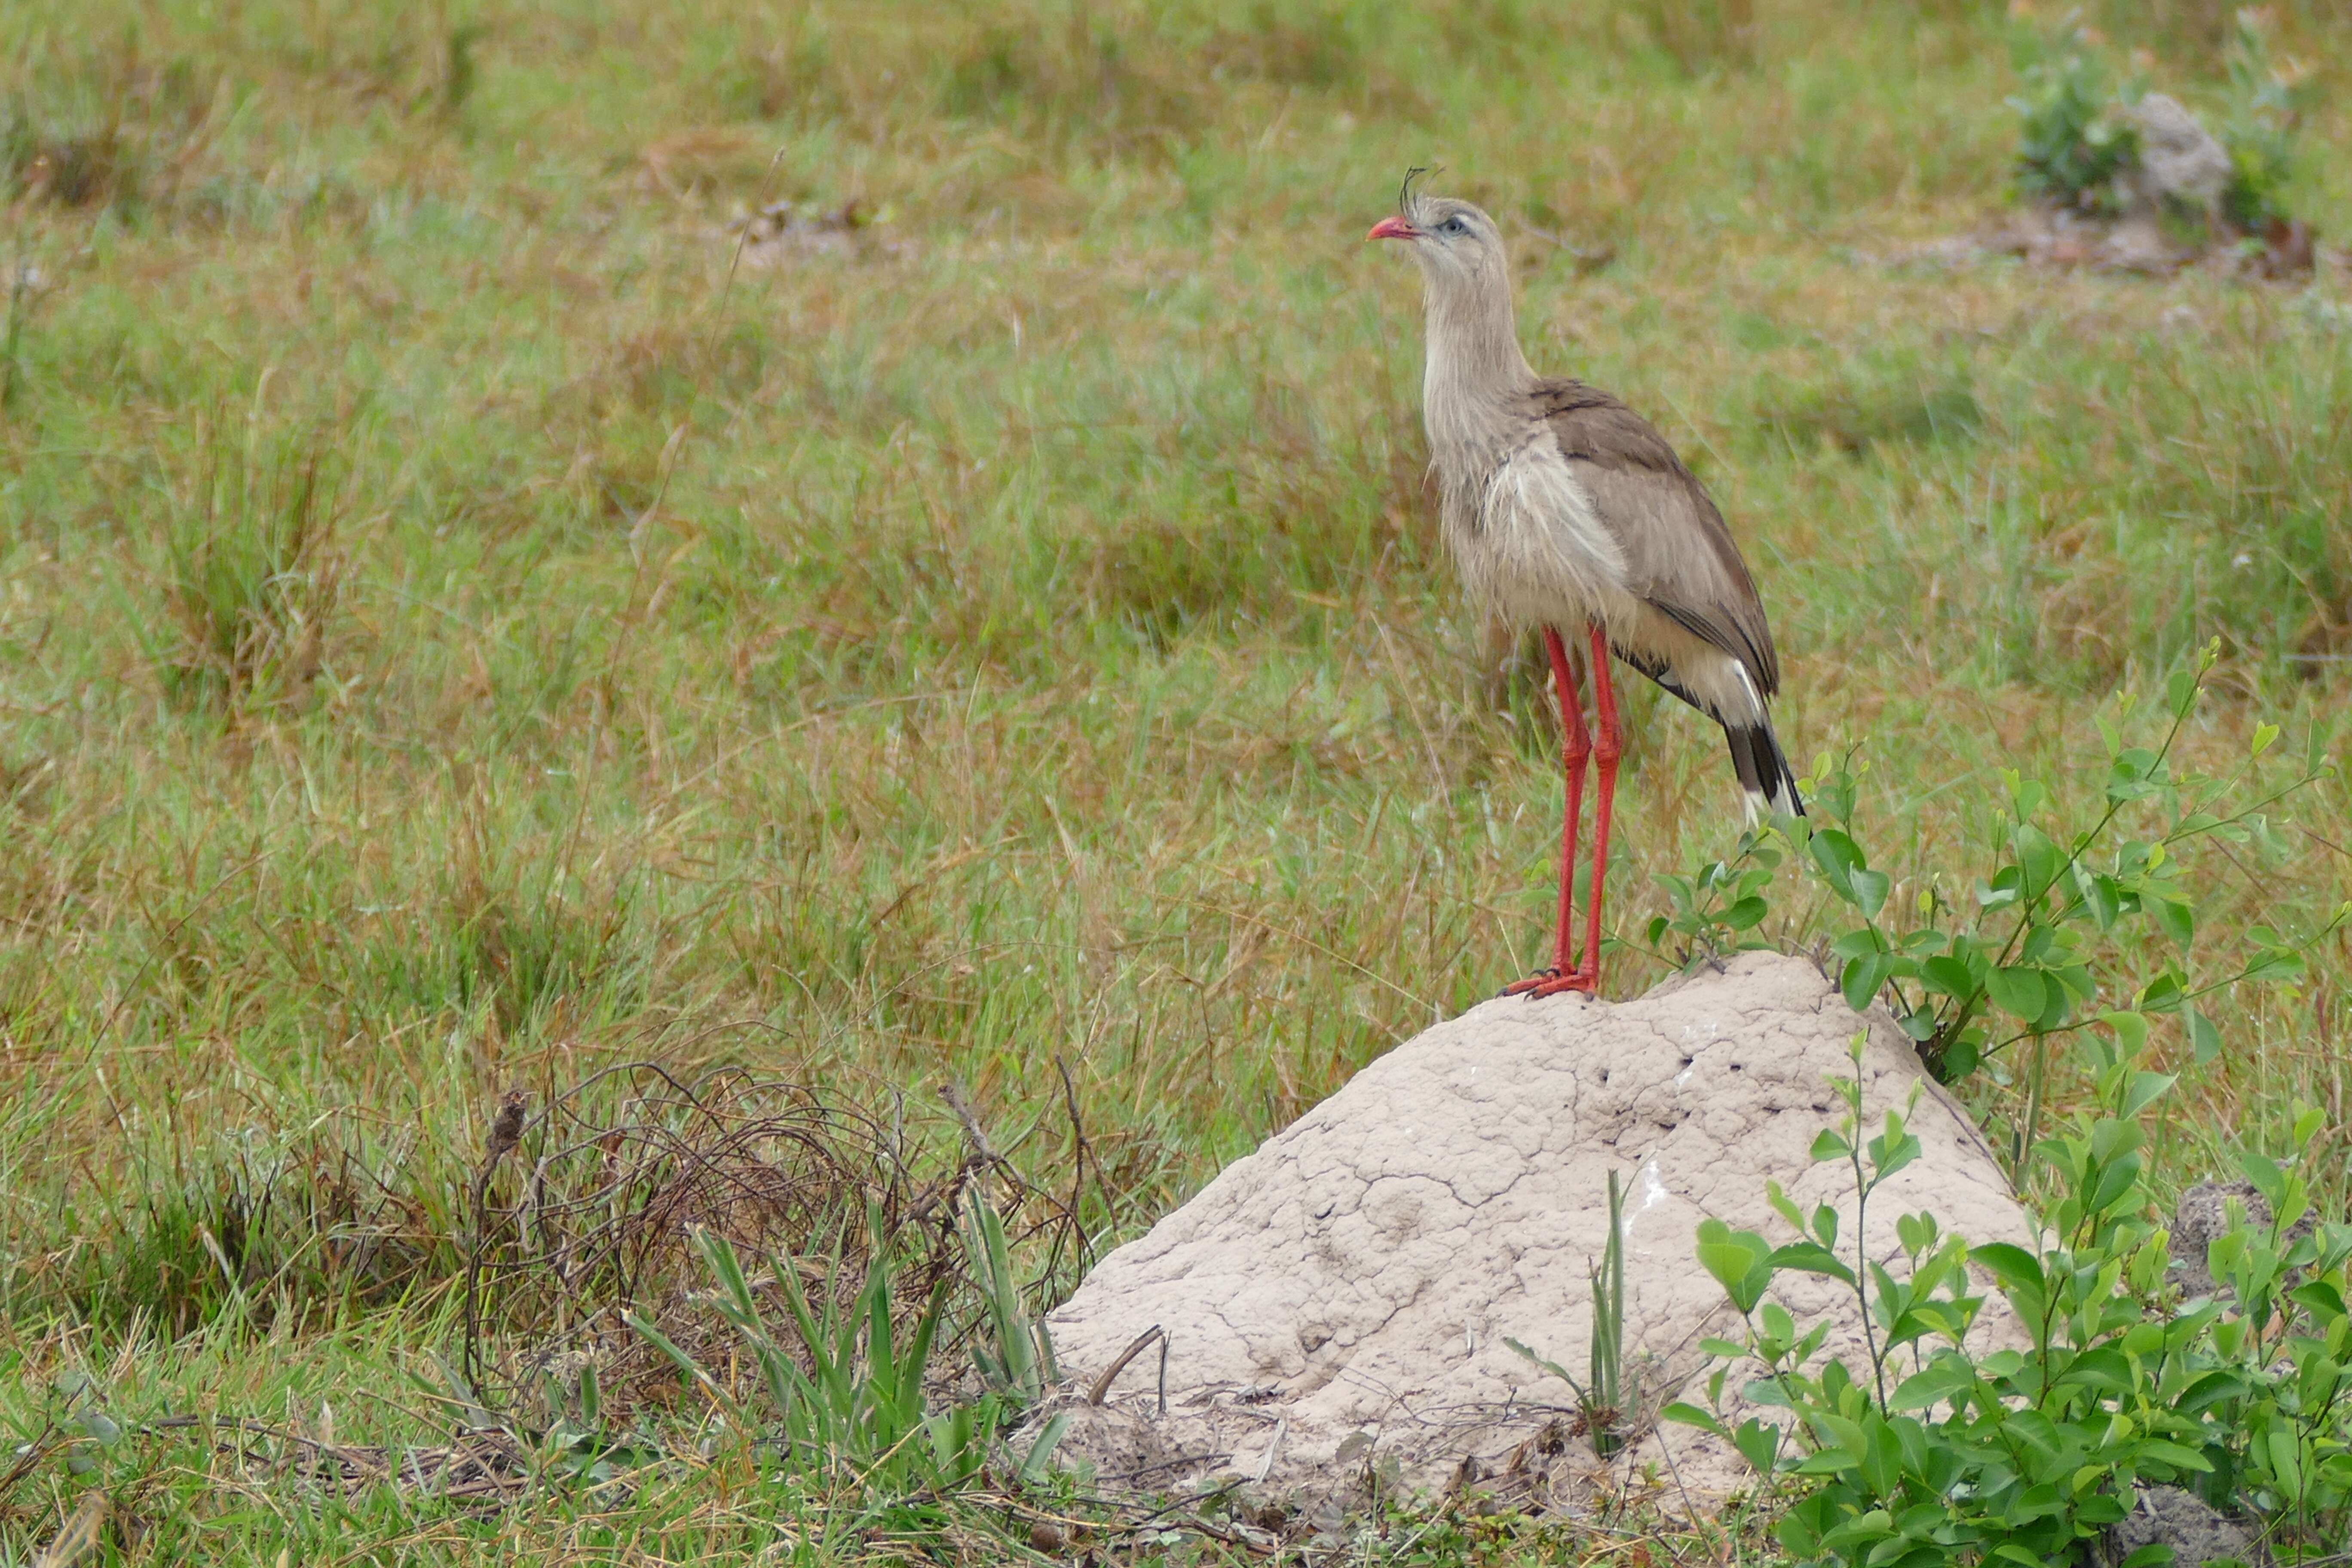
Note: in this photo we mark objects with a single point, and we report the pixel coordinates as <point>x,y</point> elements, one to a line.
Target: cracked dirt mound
<point>1341,1297</point>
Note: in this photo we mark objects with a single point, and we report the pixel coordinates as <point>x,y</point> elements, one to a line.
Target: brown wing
<point>1679,556</point>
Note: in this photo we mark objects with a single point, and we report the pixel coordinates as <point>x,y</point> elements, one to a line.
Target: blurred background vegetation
<point>458,632</point>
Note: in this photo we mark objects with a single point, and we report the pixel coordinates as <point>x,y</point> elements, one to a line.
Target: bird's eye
<point>1453,226</point>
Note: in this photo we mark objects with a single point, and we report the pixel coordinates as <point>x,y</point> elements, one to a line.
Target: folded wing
<point>1679,557</point>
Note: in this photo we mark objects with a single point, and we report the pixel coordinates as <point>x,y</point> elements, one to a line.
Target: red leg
<point>1576,745</point>
<point>1607,746</point>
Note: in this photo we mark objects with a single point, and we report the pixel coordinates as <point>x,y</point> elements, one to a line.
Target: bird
<point>1567,512</point>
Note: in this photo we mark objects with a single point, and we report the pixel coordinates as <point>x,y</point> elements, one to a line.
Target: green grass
<point>455,636</point>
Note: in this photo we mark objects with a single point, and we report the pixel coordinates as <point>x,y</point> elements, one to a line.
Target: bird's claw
<point>1552,981</point>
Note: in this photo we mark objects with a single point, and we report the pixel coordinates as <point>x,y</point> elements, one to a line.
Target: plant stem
<point>2022,1165</point>
<point>1862,1186</point>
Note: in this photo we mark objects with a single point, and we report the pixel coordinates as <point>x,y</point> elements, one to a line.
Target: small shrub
<point>2072,145</point>
<point>2013,961</point>
<point>2029,1456</point>
<point>1931,1451</point>
<point>2259,127</point>
<point>1718,907</point>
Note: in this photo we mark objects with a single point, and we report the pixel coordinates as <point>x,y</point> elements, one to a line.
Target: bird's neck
<point>1475,373</point>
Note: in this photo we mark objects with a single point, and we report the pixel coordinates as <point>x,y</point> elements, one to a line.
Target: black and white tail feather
<point>1763,769</point>
<point>1756,755</point>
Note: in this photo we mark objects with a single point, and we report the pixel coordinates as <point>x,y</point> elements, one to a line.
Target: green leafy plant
<point>1929,1450</point>
<point>1717,908</point>
<point>1602,1399</point>
<point>2071,892</point>
<point>1923,1450</point>
<point>845,1388</point>
<point>2082,902</point>
<point>2072,144</point>
<point>2258,127</point>
<point>1022,1364</point>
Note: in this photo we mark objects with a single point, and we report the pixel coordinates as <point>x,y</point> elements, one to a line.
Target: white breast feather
<point>1536,550</point>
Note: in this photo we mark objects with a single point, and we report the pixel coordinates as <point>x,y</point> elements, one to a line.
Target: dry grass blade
<point>83,1533</point>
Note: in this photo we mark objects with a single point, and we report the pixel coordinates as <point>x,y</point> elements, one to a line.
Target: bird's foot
<point>1552,981</point>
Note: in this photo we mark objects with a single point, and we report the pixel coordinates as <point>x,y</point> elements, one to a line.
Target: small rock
<point>2179,160</point>
<point>2197,1532</point>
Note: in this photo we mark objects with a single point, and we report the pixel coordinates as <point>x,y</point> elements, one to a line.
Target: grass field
<point>457,634</point>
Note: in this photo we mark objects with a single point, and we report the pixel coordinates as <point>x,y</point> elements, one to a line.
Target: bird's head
<point>1458,245</point>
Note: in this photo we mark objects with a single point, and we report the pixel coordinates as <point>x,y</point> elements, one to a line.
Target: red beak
<point>1394,228</point>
